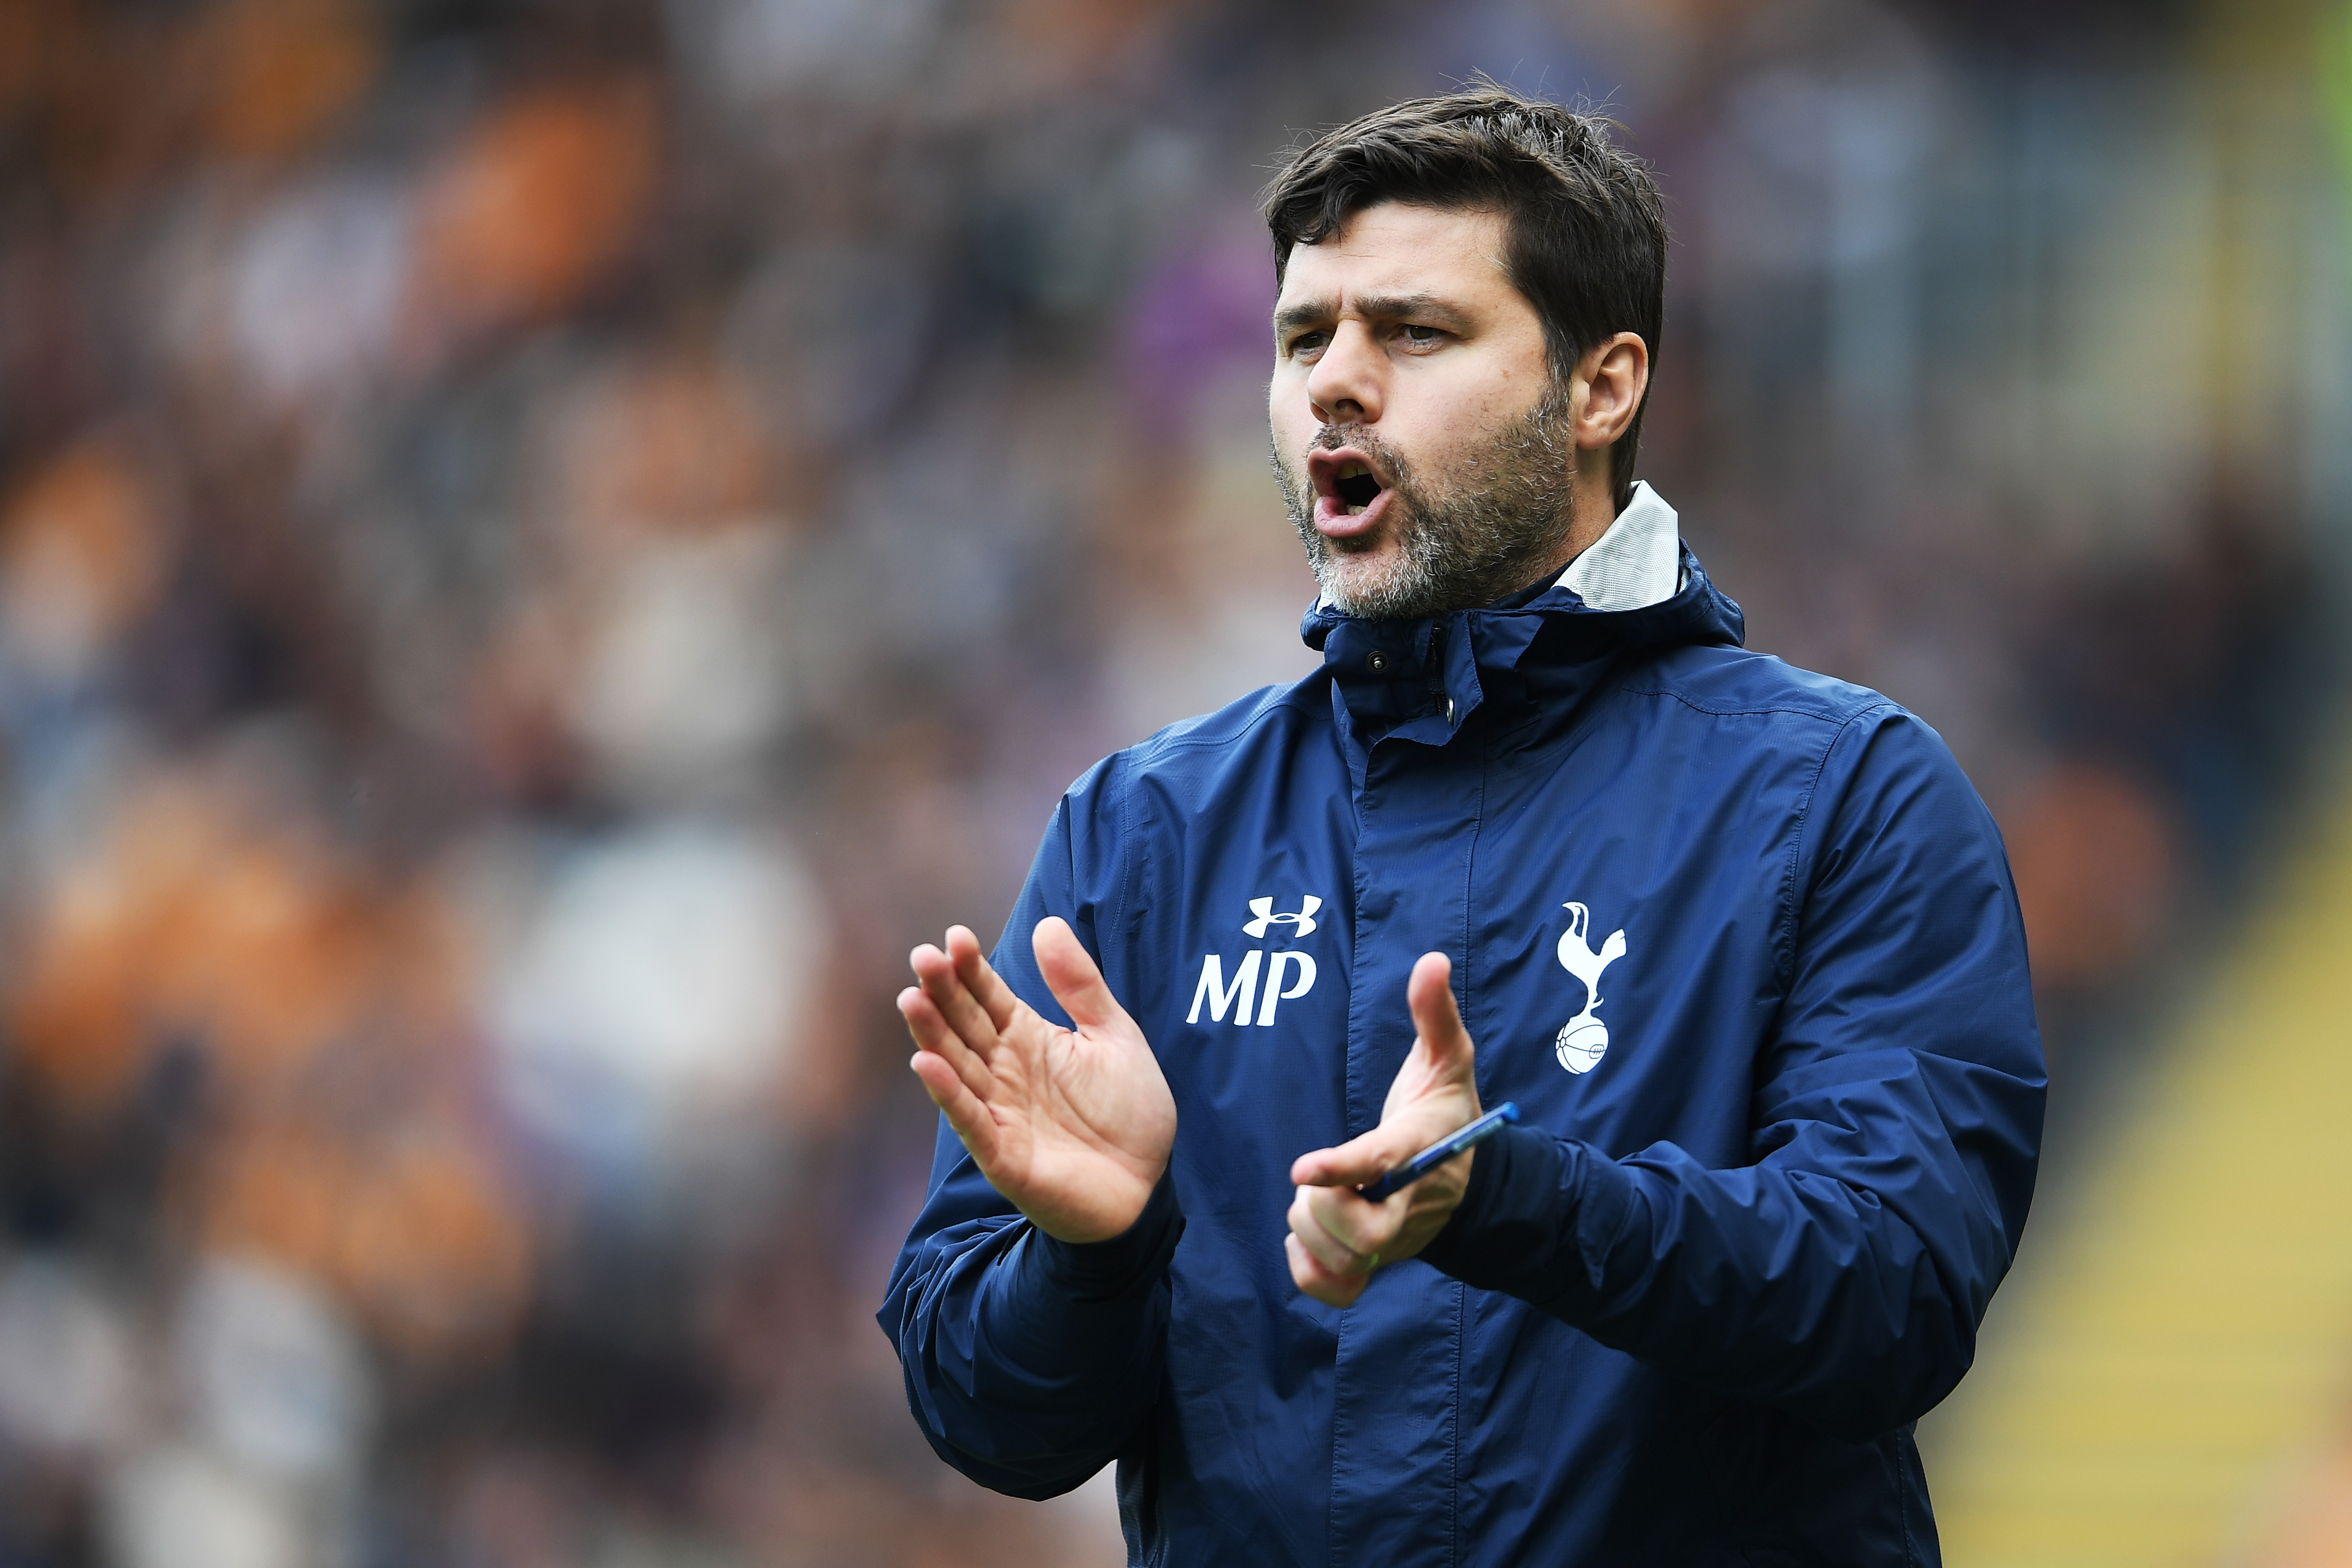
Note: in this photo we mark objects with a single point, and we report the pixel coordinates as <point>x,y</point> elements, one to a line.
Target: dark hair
<point>1587,233</point>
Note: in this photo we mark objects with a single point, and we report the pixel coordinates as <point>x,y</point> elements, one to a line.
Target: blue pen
<point>1437,1153</point>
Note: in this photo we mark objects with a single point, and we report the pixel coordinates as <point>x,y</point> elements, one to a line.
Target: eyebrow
<point>1429,307</point>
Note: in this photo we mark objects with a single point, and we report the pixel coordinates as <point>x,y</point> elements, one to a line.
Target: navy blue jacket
<point>1741,943</point>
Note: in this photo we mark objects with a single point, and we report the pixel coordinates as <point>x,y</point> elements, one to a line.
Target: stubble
<point>1487,529</point>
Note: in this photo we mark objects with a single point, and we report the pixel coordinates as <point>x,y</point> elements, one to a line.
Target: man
<point>1740,941</point>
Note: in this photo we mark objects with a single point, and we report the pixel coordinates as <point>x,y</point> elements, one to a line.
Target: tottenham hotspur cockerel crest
<point>1584,1039</point>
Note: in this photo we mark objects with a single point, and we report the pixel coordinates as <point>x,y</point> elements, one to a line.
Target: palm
<point>1083,1121</point>
<point>1072,1125</point>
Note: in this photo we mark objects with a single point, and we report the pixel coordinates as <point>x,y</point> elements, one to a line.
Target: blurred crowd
<point>544,544</point>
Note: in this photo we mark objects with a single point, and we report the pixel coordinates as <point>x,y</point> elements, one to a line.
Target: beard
<point>1464,540</point>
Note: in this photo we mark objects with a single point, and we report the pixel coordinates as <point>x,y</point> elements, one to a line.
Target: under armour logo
<point>1303,922</point>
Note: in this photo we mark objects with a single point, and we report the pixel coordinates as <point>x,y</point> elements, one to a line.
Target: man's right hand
<point>1073,1126</point>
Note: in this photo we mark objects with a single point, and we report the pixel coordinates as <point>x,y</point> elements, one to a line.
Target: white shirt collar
<point>1636,562</point>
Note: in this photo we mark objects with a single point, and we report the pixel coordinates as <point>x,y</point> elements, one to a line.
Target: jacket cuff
<point>1537,1221</point>
<point>1104,1270</point>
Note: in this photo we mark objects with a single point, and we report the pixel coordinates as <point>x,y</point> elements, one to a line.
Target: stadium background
<point>543,545</point>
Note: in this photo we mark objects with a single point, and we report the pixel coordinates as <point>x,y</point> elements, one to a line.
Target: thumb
<point>1071,975</point>
<point>1436,1017</point>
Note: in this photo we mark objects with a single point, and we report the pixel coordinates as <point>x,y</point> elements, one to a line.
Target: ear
<point>1610,380</point>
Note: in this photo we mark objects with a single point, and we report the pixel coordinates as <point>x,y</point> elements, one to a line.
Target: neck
<point>1591,508</point>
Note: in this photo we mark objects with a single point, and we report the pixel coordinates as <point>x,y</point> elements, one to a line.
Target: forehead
<point>1396,248</point>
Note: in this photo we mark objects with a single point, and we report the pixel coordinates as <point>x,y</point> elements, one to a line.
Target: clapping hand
<point>1337,1238</point>
<point>1073,1126</point>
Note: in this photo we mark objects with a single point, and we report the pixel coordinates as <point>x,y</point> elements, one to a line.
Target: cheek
<point>1463,417</point>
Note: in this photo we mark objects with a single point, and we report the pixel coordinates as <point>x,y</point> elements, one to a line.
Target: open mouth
<point>1356,488</point>
<point>1349,495</point>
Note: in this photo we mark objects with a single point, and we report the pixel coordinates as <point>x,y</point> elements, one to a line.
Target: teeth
<point>1349,471</point>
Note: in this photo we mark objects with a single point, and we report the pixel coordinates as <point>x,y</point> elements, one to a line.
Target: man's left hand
<point>1337,1238</point>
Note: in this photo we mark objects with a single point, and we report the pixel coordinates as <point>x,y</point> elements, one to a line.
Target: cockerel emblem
<point>1584,1039</point>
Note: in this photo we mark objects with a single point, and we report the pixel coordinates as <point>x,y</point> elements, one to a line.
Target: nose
<point>1349,382</point>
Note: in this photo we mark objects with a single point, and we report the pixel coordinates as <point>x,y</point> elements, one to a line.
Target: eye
<point>1308,343</point>
<point>1420,336</point>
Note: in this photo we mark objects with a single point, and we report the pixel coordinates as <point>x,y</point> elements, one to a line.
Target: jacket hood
<point>1421,679</point>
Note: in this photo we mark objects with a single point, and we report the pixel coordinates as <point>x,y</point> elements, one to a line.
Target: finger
<point>1436,1020</point>
<point>1332,1252</point>
<point>944,984</point>
<point>1357,1160</point>
<point>1315,1280</point>
<point>1364,1229</point>
<point>934,1036</point>
<point>963,1109</point>
<point>1071,975</point>
<point>980,977</point>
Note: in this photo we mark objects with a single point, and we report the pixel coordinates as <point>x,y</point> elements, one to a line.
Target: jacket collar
<point>1423,680</point>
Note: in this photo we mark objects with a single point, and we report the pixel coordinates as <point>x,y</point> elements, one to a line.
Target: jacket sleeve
<point>1030,1362</point>
<point>1895,1121</point>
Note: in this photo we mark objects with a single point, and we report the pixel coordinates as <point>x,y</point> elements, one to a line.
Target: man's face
<point>1420,437</point>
